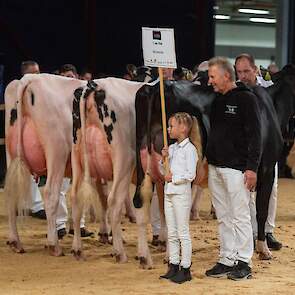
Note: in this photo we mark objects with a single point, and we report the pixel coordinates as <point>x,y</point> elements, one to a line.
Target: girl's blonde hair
<point>185,119</point>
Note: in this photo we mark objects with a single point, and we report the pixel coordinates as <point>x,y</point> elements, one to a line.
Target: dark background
<point>101,35</point>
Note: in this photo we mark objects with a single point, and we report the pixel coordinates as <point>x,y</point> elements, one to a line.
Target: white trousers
<point>37,201</point>
<point>62,211</point>
<point>177,213</point>
<point>155,214</point>
<point>230,199</point>
<point>272,208</point>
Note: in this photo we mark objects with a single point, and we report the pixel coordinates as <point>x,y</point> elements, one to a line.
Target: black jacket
<point>235,139</point>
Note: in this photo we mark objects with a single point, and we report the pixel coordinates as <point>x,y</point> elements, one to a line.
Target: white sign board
<point>158,47</point>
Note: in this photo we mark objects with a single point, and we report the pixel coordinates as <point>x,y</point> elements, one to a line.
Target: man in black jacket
<point>233,154</point>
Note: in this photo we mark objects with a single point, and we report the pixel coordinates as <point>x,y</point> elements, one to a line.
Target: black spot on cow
<point>76,113</point>
<point>106,110</point>
<point>13,116</point>
<point>100,114</point>
<point>99,97</point>
<point>113,116</point>
<point>91,85</point>
<point>32,98</point>
<point>108,130</point>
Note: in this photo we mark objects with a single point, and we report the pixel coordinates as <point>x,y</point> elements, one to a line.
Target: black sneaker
<point>272,242</point>
<point>219,270</point>
<point>84,232</point>
<point>61,233</point>
<point>182,276</point>
<point>41,214</point>
<point>241,271</point>
<point>173,269</point>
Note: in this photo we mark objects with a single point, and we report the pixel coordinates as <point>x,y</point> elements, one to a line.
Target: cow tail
<point>17,189</point>
<point>146,190</point>
<point>87,194</point>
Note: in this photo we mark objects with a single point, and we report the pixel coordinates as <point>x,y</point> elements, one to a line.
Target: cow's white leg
<point>51,202</point>
<point>129,210</point>
<point>197,195</point>
<point>144,255</point>
<point>103,225</point>
<point>163,230</point>
<point>116,199</point>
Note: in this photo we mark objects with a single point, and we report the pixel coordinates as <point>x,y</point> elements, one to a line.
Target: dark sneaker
<point>173,269</point>
<point>272,242</point>
<point>41,214</point>
<point>241,271</point>
<point>84,232</point>
<point>61,233</point>
<point>219,270</point>
<point>182,276</point>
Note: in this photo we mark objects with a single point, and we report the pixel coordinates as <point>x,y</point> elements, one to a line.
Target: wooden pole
<point>166,164</point>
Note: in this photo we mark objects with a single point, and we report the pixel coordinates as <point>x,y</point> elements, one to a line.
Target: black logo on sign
<point>156,35</point>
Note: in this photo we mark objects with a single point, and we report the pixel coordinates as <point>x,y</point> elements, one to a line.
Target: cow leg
<point>163,230</point>
<point>144,255</point>
<point>51,202</point>
<point>197,196</point>
<point>264,188</point>
<point>103,230</point>
<point>76,210</point>
<point>129,210</point>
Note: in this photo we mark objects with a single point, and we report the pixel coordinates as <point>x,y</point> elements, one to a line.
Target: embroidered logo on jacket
<point>231,109</point>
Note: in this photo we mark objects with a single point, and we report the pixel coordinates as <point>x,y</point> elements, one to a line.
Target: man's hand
<point>250,179</point>
<point>168,177</point>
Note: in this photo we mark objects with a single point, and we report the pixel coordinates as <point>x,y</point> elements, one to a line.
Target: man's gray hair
<point>224,64</point>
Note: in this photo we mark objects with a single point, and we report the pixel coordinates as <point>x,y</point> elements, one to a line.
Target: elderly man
<point>233,154</point>
<point>247,73</point>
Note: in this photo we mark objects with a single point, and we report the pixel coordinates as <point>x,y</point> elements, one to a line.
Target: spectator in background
<point>86,75</point>
<point>29,67</point>
<point>272,68</point>
<point>68,70</point>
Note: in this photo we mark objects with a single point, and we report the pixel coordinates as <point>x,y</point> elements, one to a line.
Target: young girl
<point>182,156</point>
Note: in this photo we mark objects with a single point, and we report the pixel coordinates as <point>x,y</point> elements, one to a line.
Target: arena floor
<point>35,272</point>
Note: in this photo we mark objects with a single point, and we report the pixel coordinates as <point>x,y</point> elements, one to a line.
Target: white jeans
<point>155,214</point>
<point>230,199</point>
<point>62,210</point>
<point>37,201</point>
<point>177,213</point>
<point>272,208</point>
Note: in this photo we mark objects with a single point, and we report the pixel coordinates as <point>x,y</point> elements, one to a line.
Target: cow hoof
<point>121,258</point>
<point>162,246</point>
<point>195,217</point>
<point>132,219</point>
<point>263,251</point>
<point>55,251</point>
<point>78,255</point>
<point>104,238</point>
<point>16,247</point>
<point>143,262</point>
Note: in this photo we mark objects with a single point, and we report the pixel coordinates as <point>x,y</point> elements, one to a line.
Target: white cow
<point>107,133</point>
<point>38,130</point>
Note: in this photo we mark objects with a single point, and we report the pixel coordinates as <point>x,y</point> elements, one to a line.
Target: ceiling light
<point>254,11</point>
<point>262,20</point>
<point>216,7</point>
<point>221,16</point>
